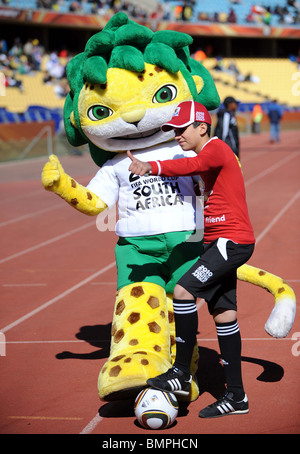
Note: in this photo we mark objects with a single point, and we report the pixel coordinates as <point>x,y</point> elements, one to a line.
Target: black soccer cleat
<point>224,406</point>
<point>174,380</point>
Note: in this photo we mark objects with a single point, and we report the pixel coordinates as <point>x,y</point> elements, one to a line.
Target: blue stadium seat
<point>33,114</point>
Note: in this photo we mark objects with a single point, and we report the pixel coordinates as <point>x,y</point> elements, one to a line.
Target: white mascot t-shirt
<point>149,205</point>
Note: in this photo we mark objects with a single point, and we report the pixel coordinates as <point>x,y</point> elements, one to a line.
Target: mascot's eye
<point>165,94</point>
<point>96,113</point>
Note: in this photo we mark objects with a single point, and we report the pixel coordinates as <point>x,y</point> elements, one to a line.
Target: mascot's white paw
<point>281,318</point>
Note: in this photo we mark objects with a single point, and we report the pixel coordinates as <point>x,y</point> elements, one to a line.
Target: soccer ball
<point>155,409</point>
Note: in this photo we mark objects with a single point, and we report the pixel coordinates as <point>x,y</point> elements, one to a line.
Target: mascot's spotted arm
<point>123,87</point>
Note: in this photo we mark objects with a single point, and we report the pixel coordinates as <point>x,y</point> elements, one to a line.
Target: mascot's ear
<point>74,137</point>
<point>75,79</point>
<point>199,83</point>
<point>208,95</point>
<point>72,119</point>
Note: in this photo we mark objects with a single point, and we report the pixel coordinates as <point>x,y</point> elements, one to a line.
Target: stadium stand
<point>35,114</point>
<point>34,92</point>
<point>34,96</point>
<point>260,80</point>
<point>141,8</point>
<point>244,11</point>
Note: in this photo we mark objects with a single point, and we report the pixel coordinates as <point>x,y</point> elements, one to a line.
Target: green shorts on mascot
<point>123,87</point>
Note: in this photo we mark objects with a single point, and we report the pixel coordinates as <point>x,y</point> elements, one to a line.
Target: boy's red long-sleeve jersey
<point>225,208</point>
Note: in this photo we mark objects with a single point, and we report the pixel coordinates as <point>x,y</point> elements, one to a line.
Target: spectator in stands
<point>12,82</point>
<point>232,16</point>
<point>16,49</point>
<point>28,47</point>
<point>275,115</point>
<point>233,69</point>
<point>37,54</point>
<point>3,46</point>
<point>44,4</point>
<point>219,65</point>
<point>75,7</point>
<point>250,18</point>
<point>215,17</point>
<point>167,11</point>
<point>293,3</point>
<point>223,17</point>
<point>61,89</point>
<point>187,12</point>
<point>298,60</point>
<point>55,69</point>
<point>24,65</point>
<point>4,62</point>
<point>200,55</point>
<point>226,128</point>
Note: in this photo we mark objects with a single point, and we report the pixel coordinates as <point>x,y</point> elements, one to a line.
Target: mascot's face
<point>126,113</point>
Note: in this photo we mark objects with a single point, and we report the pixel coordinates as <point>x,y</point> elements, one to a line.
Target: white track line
<point>54,341</point>
<point>270,169</point>
<point>46,243</point>
<point>25,285</point>
<point>251,156</point>
<point>91,425</point>
<point>57,298</point>
<point>31,215</point>
<point>200,339</point>
<point>20,196</point>
<point>275,339</point>
<point>15,163</point>
<point>104,283</point>
<point>277,217</point>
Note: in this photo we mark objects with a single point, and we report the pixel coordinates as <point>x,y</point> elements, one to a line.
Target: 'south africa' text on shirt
<point>154,192</point>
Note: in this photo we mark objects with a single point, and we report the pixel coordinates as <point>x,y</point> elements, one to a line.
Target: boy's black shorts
<point>213,277</point>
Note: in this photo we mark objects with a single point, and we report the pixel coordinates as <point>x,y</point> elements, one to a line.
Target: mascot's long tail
<point>283,314</point>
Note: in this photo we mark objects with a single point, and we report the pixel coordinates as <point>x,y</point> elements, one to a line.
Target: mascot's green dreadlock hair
<point>125,44</point>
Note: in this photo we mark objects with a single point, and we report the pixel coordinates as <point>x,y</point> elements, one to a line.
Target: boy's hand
<point>138,167</point>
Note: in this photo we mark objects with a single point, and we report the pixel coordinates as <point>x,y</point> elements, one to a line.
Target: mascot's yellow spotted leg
<point>139,346</point>
<point>142,341</point>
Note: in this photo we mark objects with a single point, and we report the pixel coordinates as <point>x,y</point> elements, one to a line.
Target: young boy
<point>228,243</point>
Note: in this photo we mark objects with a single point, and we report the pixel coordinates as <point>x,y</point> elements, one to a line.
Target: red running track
<point>58,284</point>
